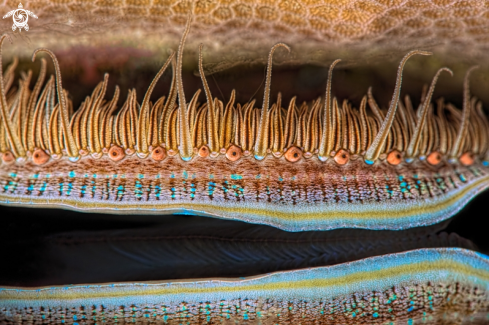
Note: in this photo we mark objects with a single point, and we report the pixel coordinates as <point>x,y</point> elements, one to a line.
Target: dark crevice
<point>83,69</point>
<point>56,247</point>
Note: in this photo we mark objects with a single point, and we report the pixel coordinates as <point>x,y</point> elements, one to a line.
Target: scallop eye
<point>434,158</point>
<point>39,157</point>
<point>342,157</point>
<point>293,154</point>
<point>394,157</point>
<point>158,154</point>
<point>116,153</point>
<point>467,159</point>
<point>233,153</point>
<point>8,157</point>
<point>203,152</point>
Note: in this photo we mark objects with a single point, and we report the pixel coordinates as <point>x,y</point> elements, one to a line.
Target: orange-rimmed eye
<point>434,158</point>
<point>116,153</point>
<point>394,157</point>
<point>467,159</point>
<point>342,157</point>
<point>158,154</point>
<point>293,154</point>
<point>8,157</point>
<point>204,152</point>
<point>233,153</point>
<point>40,157</point>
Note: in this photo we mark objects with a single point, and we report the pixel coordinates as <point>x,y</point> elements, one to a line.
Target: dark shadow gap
<point>56,247</point>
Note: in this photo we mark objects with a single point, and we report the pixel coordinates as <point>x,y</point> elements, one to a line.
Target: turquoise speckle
<point>236,176</point>
<point>72,174</point>
<point>375,315</point>
<point>485,163</point>
<point>369,162</point>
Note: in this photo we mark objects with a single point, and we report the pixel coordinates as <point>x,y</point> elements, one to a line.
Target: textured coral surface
<point>318,27</point>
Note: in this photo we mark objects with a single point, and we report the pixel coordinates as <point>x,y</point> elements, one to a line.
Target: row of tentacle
<point>41,124</point>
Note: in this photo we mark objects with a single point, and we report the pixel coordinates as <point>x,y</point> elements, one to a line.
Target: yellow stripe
<point>190,287</point>
<point>387,211</point>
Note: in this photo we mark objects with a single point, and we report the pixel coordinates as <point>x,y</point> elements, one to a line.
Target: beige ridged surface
<point>247,29</point>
